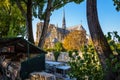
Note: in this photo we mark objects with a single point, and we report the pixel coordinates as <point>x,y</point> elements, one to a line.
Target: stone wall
<point>64,57</point>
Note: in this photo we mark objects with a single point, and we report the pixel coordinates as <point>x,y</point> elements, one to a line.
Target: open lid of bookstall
<point>18,45</point>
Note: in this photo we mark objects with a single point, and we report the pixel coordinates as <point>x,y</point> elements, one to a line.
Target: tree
<point>58,46</point>
<point>98,38</point>
<point>88,64</point>
<point>117,4</point>
<point>57,50</point>
<point>4,14</point>
<point>74,40</point>
<point>29,21</point>
<point>11,23</point>
<point>114,42</point>
<point>46,22</point>
<point>51,6</point>
<point>56,55</point>
<point>25,7</point>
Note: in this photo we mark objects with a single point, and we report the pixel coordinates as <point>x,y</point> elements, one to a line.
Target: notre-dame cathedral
<point>56,34</point>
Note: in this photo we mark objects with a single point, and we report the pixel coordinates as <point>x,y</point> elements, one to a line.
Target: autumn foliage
<point>74,40</point>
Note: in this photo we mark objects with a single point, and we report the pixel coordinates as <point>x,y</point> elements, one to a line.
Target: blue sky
<point>75,14</point>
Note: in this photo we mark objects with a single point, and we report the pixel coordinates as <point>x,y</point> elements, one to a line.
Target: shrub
<point>85,66</point>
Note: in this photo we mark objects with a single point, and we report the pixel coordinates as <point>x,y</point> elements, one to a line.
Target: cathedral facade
<point>56,34</point>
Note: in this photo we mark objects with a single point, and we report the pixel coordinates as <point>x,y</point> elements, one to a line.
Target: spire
<point>63,25</point>
<point>63,21</point>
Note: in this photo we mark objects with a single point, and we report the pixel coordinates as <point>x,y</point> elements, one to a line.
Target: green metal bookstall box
<point>14,47</point>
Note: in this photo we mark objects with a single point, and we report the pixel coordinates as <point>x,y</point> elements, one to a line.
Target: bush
<point>85,66</point>
<point>114,42</point>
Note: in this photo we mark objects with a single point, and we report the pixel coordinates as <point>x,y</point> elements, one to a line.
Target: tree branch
<point>59,4</point>
<point>21,8</point>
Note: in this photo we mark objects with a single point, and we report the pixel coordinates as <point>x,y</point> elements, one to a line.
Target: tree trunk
<point>29,21</point>
<point>46,23</point>
<point>28,17</point>
<point>98,38</point>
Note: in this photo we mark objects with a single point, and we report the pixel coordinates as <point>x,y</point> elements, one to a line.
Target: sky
<point>75,14</point>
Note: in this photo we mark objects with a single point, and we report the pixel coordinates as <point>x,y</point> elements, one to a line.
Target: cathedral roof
<point>76,27</point>
<point>62,31</point>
